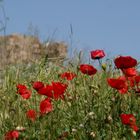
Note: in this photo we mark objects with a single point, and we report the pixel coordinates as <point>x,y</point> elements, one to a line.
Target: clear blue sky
<point>112,25</point>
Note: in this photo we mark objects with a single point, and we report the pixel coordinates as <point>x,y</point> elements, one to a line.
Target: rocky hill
<point>16,48</point>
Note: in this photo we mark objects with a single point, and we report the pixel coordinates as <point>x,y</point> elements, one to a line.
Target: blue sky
<point>112,25</point>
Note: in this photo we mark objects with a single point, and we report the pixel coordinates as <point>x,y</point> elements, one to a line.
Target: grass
<point>91,111</point>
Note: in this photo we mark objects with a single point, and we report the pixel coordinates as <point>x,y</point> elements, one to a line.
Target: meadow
<point>98,100</point>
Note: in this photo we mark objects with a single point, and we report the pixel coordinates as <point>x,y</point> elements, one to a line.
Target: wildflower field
<point>99,100</point>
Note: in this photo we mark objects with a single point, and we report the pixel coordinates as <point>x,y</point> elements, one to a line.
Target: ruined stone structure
<point>15,49</point>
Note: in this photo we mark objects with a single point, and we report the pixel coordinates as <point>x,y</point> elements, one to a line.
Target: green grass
<point>92,111</point>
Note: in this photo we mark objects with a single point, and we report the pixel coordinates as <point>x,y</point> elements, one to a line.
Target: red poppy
<point>97,54</point>
<point>46,106</point>
<point>124,90</point>
<point>131,81</point>
<point>58,90</point>
<point>23,91</point>
<point>137,83</point>
<point>129,72</point>
<point>20,86</point>
<point>134,83</point>
<point>11,135</point>
<point>129,119</point>
<point>134,127</point>
<point>68,75</point>
<point>25,94</point>
<point>55,90</point>
<point>46,90</point>
<point>116,83</point>
<point>137,79</point>
<point>124,62</point>
<point>120,84</point>
<point>87,69</point>
<point>37,85</point>
<point>31,114</point>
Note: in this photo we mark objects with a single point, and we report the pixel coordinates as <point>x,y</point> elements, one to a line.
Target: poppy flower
<point>137,79</point>
<point>120,84</point>
<point>97,54</point>
<point>87,69</point>
<point>134,127</point>
<point>11,135</point>
<point>55,90</point>
<point>137,82</point>
<point>129,72</point>
<point>124,62</point>
<point>129,119</point>
<point>46,90</point>
<point>25,94</point>
<point>58,90</point>
<point>134,81</point>
<point>31,114</point>
<point>46,106</point>
<point>20,86</point>
<point>116,83</point>
<point>23,91</point>
<point>131,81</point>
<point>68,75</point>
<point>123,90</point>
<point>37,85</point>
